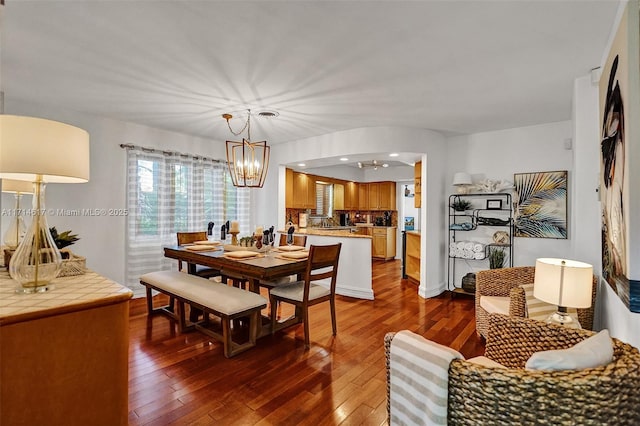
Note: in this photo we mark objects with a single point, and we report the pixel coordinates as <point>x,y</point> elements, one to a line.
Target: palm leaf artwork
<point>540,204</point>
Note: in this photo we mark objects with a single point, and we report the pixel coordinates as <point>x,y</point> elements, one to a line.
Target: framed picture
<point>494,204</point>
<point>540,204</point>
<point>409,223</point>
<point>618,120</point>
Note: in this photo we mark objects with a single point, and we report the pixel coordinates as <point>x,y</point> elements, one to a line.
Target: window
<point>324,199</point>
<point>170,192</point>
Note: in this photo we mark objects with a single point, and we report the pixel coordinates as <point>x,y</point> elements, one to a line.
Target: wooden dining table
<point>263,267</point>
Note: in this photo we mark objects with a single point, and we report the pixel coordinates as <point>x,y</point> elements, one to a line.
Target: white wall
<point>497,156</point>
<point>103,237</point>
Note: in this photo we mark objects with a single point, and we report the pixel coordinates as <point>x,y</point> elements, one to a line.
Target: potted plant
<point>461,205</point>
<point>62,240</point>
<point>496,258</point>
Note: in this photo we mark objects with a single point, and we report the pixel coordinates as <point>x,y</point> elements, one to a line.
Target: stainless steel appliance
<point>344,219</point>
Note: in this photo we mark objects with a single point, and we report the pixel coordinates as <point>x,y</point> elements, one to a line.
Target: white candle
<point>259,230</point>
<point>235,226</point>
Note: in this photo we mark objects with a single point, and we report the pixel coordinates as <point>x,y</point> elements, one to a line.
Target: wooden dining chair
<point>191,237</point>
<point>298,240</point>
<point>305,293</point>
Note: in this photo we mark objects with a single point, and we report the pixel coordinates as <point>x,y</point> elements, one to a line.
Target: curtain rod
<point>165,152</point>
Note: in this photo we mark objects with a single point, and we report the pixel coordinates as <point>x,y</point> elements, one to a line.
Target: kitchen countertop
<point>371,225</point>
<point>327,232</point>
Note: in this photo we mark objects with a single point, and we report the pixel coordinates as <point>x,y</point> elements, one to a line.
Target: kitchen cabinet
<point>304,191</point>
<point>365,230</point>
<point>374,196</point>
<point>417,181</point>
<point>412,255</point>
<point>288,197</point>
<point>363,196</point>
<point>386,196</point>
<point>351,196</point>
<point>383,243</point>
<point>338,196</point>
<point>377,196</point>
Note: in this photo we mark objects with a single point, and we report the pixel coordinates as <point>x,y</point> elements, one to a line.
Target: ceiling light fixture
<point>268,114</point>
<point>247,161</point>
<point>393,154</point>
<point>374,164</point>
<point>344,159</point>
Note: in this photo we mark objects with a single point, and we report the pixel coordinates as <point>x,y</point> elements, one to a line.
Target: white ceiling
<point>453,66</point>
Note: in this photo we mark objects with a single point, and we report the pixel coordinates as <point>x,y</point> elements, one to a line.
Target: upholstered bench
<point>227,303</point>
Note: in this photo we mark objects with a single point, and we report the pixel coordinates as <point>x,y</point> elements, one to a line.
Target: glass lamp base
<point>560,318</point>
<point>40,288</point>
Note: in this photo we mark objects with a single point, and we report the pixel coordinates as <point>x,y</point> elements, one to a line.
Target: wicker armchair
<point>499,282</point>
<point>507,282</point>
<point>497,396</point>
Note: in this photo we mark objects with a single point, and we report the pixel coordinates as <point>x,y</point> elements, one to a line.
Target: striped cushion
<point>419,380</point>
<point>539,310</point>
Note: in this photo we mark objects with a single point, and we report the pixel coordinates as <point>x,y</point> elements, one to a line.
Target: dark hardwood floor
<point>184,379</point>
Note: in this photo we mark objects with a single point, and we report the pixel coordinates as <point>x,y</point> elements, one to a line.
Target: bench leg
<point>182,321</point>
<point>226,338</point>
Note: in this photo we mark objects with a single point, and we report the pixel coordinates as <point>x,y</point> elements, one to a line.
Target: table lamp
<point>461,181</point>
<point>565,283</point>
<point>40,151</point>
<point>17,229</point>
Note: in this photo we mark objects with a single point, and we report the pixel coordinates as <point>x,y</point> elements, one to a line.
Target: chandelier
<point>247,161</point>
<point>375,164</point>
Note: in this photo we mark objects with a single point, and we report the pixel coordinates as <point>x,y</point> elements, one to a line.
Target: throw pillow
<point>593,352</point>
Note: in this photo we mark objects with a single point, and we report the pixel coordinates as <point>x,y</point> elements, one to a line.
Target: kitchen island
<point>354,266</point>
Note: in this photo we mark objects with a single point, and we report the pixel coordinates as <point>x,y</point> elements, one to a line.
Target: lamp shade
<point>563,282</point>
<point>462,178</point>
<point>30,147</point>
<point>17,186</point>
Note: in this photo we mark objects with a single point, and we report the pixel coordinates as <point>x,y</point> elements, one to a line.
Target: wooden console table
<point>64,353</point>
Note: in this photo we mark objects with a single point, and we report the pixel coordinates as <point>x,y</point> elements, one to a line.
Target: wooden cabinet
<point>300,193</point>
<point>374,196</point>
<point>363,196</point>
<point>288,197</point>
<point>386,196</point>
<point>64,362</point>
<point>412,256</point>
<point>417,180</point>
<point>304,191</point>
<point>338,196</point>
<point>383,243</point>
<point>351,196</point>
<point>365,230</point>
<point>377,196</point>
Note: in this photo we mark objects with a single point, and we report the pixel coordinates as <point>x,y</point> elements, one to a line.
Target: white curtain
<point>169,192</point>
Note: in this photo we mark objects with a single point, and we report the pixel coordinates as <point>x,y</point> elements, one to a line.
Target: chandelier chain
<point>247,126</point>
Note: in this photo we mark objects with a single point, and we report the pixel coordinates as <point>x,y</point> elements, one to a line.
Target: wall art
<point>540,204</point>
